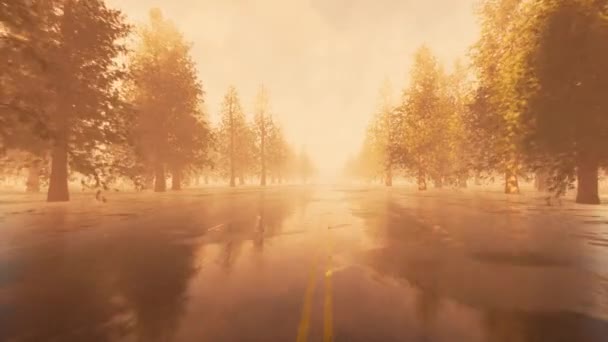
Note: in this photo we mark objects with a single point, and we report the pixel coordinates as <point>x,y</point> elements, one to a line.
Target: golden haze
<point>323,61</point>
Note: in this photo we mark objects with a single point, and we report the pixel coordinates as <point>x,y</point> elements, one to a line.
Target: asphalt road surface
<point>303,264</point>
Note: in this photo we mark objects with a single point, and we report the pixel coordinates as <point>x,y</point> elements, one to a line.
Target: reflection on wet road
<point>304,264</point>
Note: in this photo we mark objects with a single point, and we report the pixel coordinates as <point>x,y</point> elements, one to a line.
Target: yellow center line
<point>328,323</point>
<point>307,306</point>
<point>328,329</point>
<point>304,326</point>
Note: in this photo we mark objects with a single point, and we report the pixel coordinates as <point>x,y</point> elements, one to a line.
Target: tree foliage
<point>171,129</point>
<point>61,83</point>
<point>562,86</point>
<point>235,138</point>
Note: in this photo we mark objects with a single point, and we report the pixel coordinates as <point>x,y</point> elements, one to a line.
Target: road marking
<point>328,329</point>
<point>328,322</point>
<point>307,306</point>
<point>339,226</point>
<point>216,227</point>
<point>303,328</point>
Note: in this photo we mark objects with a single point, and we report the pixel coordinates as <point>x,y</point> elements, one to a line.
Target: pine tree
<point>245,153</point>
<point>59,88</point>
<point>231,135</point>
<point>305,166</point>
<point>384,133</point>
<point>28,31</point>
<point>263,127</point>
<point>496,129</point>
<point>278,153</point>
<point>84,111</point>
<point>458,93</point>
<point>424,119</point>
<point>171,130</point>
<point>370,163</point>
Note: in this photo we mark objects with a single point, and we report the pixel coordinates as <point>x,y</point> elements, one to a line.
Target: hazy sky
<point>323,61</point>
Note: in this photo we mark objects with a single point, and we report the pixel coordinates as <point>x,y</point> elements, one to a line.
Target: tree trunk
<point>232,150</point>
<point>206,178</point>
<point>176,179</point>
<point>388,180</point>
<point>241,179</point>
<point>263,177</point>
<point>421,181</point>
<point>58,183</point>
<point>587,181</point>
<point>149,180</point>
<point>33,177</point>
<point>462,181</point>
<point>438,183</point>
<point>511,183</point>
<point>477,180</point>
<point>540,180</point>
<point>232,177</point>
<point>160,183</point>
<point>263,154</point>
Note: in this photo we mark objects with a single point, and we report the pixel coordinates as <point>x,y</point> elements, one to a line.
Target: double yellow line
<point>328,321</point>
<point>303,328</point>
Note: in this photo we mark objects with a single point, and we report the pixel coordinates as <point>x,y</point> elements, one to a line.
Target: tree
<point>58,78</point>
<point>561,77</point>
<point>458,92</point>
<point>232,134</point>
<point>443,127</point>
<point>496,133</point>
<point>28,31</point>
<point>245,153</point>
<point>306,168</point>
<point>167,94</point>
<point>278,152</point>
<point>424,119</point>
<point>83,110</point>
<point>189,142</point>
<point>369,163</point>
<point>263,127</point>
<point>384,134</point>
<point>13,161</point>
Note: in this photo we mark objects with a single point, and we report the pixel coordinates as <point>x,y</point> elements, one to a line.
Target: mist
<point>322,61</point>
<point>308,170</point>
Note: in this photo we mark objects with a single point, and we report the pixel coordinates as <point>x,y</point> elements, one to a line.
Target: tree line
<point>85,94</point>
<point>532,100</point>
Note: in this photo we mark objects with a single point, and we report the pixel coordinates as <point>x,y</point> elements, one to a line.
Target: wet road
<point>303,264</point>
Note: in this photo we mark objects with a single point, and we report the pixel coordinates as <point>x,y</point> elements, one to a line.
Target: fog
<point>323,61</point>
<point>354,165</point>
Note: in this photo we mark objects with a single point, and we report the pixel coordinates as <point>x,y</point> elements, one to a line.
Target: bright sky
<point>323,61</point>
